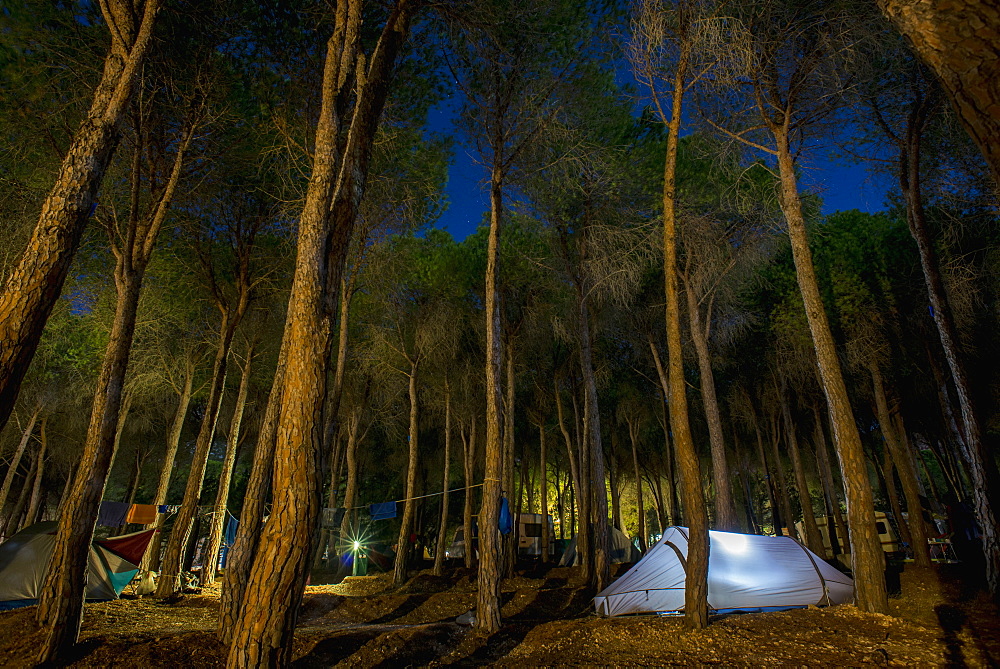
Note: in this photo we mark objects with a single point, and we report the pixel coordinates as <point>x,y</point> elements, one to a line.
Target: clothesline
<point>410,499</point>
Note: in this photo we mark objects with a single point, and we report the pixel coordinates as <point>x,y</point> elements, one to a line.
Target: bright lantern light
<point>357,545</point>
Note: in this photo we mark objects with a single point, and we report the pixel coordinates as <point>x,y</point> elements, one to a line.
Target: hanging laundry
<point>331,518</point>
<point>163,508</point>
<point>382,511</point>
<point>506,521</point>
<point>228,539</point>
<point>141,514</point>
<point>112,514</point>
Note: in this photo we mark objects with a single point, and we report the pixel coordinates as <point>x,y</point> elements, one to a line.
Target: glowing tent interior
<point>746,572</point>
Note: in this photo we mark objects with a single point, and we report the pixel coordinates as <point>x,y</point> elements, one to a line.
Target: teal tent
<point>24,559</point>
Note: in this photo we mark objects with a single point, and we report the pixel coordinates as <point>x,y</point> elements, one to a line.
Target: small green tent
<point>24,559</point>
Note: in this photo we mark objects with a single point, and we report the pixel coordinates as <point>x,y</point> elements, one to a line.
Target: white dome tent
<point>746,573</point>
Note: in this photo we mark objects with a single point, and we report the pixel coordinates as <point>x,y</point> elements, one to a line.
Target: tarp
<point>25,556</point>
<point>382,511</point>
<point>746,572</point>
<point>622,549</point>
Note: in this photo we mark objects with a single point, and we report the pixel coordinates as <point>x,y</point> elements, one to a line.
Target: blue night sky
<point>841,183</point>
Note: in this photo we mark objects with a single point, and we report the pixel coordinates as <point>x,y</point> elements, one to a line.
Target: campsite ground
<point>365,622</point>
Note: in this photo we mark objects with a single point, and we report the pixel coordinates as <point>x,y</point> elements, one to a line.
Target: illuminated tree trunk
<point>640,506</point>
<point>262,635</point>
<point>544,510</point>
<point>348,526</point>
<point>829,487</point>
<point>508,542</point>
<point>15,459</point>
<point>169,582</point>
<point>488,580</point>
<point>725,508</point>
<point>468,466</point>
<point>151,561</point>
<point>35,282</point>
<point>404,545</point>
<point>443,524</point>
<point>866,550</point>
<point>813,539</point>
<point>36,488</point>
<point>210,558</point>
<point>957,39</point>
<point>598,499</point>
<point>244,550</point>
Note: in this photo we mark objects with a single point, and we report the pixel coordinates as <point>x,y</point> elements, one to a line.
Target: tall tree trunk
<point>570,455</point>
<point>210,558</point>
<point>907,470</point>
<point>14,519</point>
<point>892,494</point>
<point>633,434</point>
<point>60,602</point>
<point>36,489</point>
<point>15,459</point>
<point>614,478</point>
<point>172,557</point>
<point>725,508</point>
<point>866,550</point>
<point>151,561</point>
<point>442,537</point>
<point>508,542</point>
<point>598,498</point>
<point>695,513</point>
<point>488,580</point>
<point>263,632</point>
<point>404,545</point>
<point>768,478</point>
<point>348,525</point>
<point>813,539</point>
<point>244,550</point>
<point>468,467</point>
<point>781,483</point>
<point>830,488</point>
<point>33,286</point>
<point>543,492</point>
<point>958,41</point>
<point>982,465</point>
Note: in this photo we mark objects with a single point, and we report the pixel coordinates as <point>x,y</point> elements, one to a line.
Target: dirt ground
<point>548,620</point>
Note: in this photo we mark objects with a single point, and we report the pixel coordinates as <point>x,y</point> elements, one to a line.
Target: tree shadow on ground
<point>430,643</point>
<point>553,603</point>
<point>332,650</point>
<point>952,620</point>
<point>497,646</point>
<point>410,604</point>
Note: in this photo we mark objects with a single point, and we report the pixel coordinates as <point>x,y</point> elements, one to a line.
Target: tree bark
<point>725,509</point>
<point>866,550</point>
<point>244,550</point>
<point>781,483</point>
<point>958,41</point>
<point>598,499</point>
<point>633,434</point>
<point>348,526</point>
<point>15,460</point>
<point>404,545</point>
<point>813,539</point>
<point>34,284</point>
<point>488,580</point>
<point>36,488</point>
<point>172,558</point>
<point>508,542</point>
<point>544,492</point>
<point>442,538</point>
<point>907,470</point>
<point>210,558</point>
<point>830,488</point>
<point>695,513</point>
<point>468,466</point>
<point>151,561</point>
<point>262,635</point>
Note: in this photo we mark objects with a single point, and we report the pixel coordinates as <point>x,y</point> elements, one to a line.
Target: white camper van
<point>886,534</point>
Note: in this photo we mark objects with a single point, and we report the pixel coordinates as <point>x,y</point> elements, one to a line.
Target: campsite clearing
<point>364,622</point>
